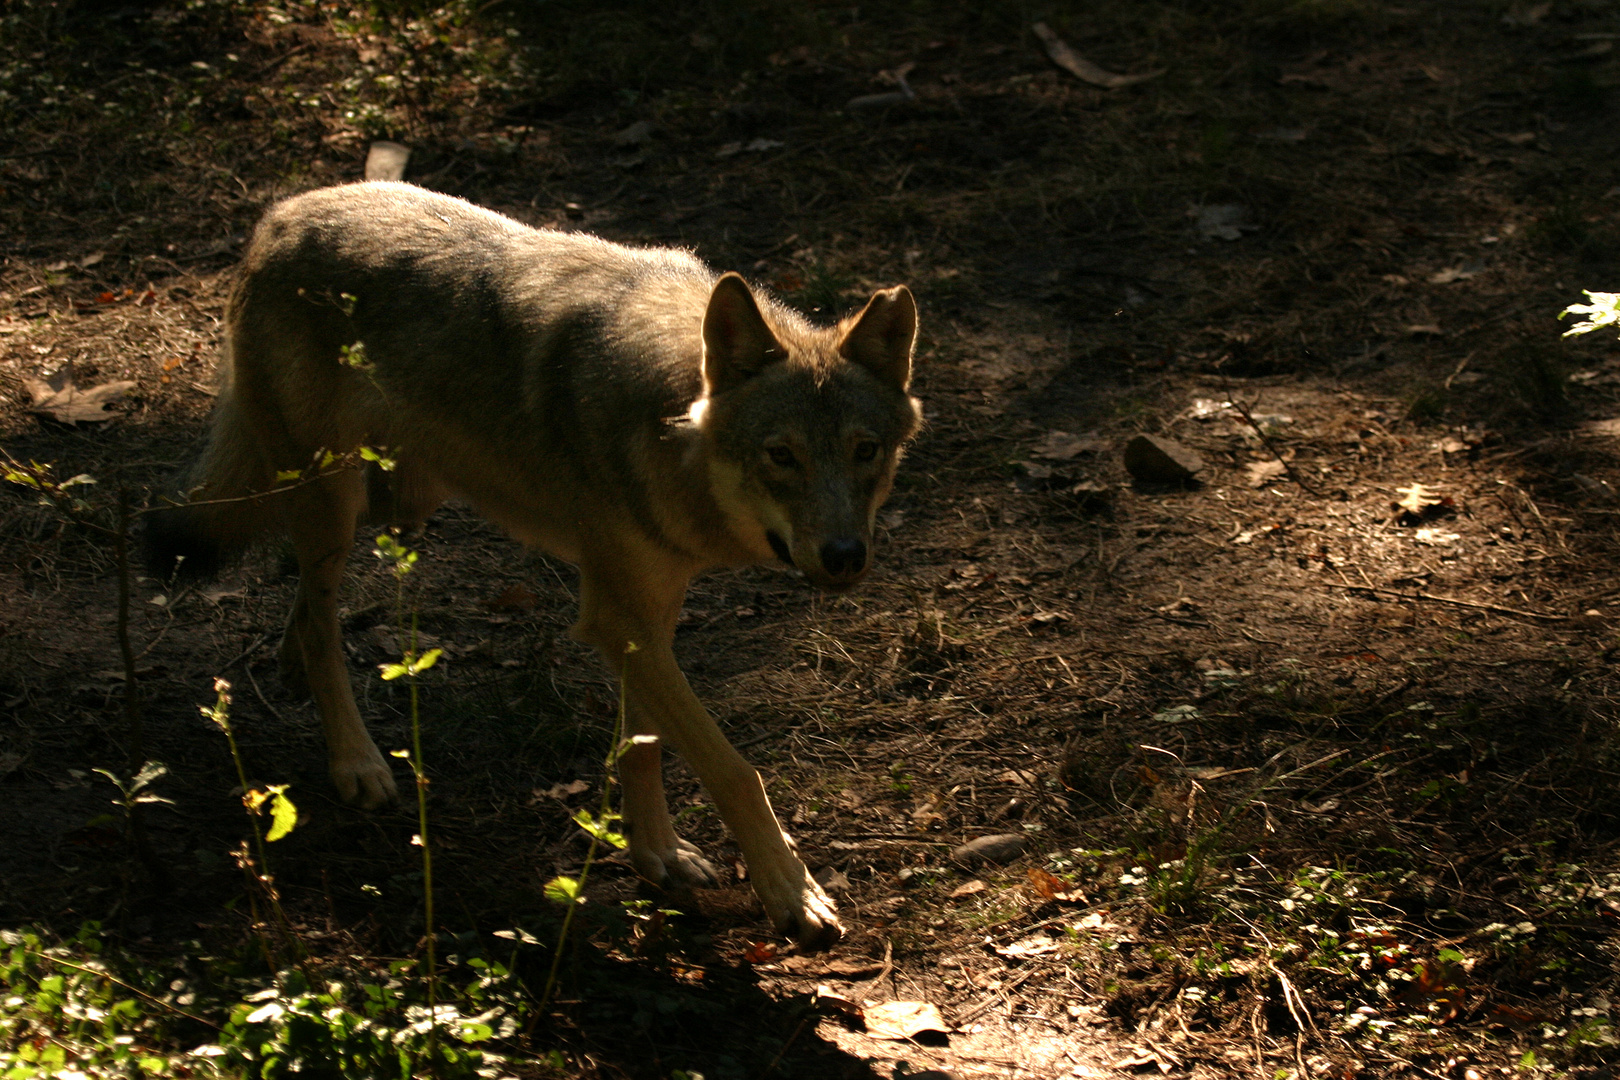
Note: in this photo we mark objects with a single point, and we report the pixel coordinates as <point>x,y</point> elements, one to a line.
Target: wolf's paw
<point>682,866</point>
<point>799,909</point>
<point>364,779</point>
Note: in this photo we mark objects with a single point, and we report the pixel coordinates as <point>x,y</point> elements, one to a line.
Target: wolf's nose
<point>844,558</point>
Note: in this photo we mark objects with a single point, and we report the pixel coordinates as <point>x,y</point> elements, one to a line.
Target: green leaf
<point>283,814</point>
<point>287,476</point>
<point>393,671</point>
<point>562,890</point>
<point>425,661</point>
<point>600,829</point>
<point>471,1031</point>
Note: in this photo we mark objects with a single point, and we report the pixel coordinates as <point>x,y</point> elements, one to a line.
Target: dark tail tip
<point>175,547</point>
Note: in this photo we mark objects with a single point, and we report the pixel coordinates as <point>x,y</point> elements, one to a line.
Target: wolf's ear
<point>881,337</point>
<point>736,341</point>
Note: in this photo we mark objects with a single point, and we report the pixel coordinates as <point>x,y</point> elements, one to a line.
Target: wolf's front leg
<point>656,852</point>
<point>794,902</point>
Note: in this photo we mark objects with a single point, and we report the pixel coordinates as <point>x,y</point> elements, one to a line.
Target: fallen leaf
<point>1207,408</point>
<point>1447,276</point>
<point>968,888</point>
<point>833,880</point>
<point>1262,473</point>
<point>1061,446</point>
<point>1044,885</point>
<point>926,811</point>
<point>1081,68</point>
<point>760,952</point>
<point>1435,537</point>
<point>561,791</point>
<point>70,405</point>
<point>1417,499</point>
<point>1028,947</point>
<point>902,1019</point>
<point>827,998</point>
<point>1425,329</point>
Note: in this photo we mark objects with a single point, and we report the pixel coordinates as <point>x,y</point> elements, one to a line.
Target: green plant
<point>400,561</point>
<point>283,817</point>
<point>365,1029</point>
<point>571,891</point>
<point>67,1009</point>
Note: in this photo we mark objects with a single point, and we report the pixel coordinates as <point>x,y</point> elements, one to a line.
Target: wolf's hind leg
<point>657,853</point>
<point>322,523</point>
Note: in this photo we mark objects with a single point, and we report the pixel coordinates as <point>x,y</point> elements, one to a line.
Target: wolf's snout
<point>844,558</point>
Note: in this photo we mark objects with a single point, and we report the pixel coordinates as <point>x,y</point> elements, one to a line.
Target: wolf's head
<point>806,425</point>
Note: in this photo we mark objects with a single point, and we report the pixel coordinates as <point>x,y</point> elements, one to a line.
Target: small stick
<point>1498,608</point>
<point>1248,418</point>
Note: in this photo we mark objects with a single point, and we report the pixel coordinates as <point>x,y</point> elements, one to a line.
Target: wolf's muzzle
<point>844,558</point>
<point>779,546</point>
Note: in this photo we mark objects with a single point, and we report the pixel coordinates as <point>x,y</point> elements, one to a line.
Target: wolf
<point>626,409</point>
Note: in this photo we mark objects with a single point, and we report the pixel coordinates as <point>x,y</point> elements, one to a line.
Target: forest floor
<point>1314,761</point>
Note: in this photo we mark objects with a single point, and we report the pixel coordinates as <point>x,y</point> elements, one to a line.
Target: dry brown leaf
<point>968,888</point>
<point>1044,885</point>
<point>1262,473</point>
<point>70,405</point>
<point>902,1019</point>
<point>564,791</point>
<point>828,998</point>
<point>1061,446</point>
<point>1081,68</point>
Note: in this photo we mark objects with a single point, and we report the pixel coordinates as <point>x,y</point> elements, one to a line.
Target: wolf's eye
<point>865,450</point>
<point>782,456</point>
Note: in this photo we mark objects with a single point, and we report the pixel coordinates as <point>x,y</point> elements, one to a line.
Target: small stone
<point>1154,460</point>
<point>1002,848</point>
<point>387,161</point>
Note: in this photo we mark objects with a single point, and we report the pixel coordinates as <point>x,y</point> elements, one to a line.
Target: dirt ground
<point>1313,760</point>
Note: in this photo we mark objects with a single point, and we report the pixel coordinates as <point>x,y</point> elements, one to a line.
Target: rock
<point>387,161</point>
<point>1002,848</point>
<point>1154,460</point>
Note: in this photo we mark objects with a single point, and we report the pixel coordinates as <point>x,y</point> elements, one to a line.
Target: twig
<point>1498,608</point>
<point>1271,447</point>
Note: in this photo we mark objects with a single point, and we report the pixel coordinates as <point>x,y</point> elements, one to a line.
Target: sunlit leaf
<point>283,814</point>
<point>562,890</point>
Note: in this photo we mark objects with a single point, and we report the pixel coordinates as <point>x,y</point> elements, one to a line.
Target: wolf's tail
<point>219,505</point>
